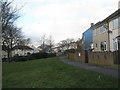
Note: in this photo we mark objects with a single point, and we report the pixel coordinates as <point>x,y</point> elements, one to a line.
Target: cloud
<point>64,18</point>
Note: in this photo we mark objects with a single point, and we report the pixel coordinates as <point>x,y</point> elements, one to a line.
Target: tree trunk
<point>9,56</point>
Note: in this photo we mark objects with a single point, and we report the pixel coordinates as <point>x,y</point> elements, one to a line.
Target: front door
<point>86,56</point>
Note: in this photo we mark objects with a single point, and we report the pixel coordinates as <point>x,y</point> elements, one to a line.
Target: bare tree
<point>9,14</point>
<point>43,43</point>
<point>65,44</point>
<point>50,43</point>
<point>68,42</point>
<point>28,42</point>
<point>24,42</point>
<point>11,38</point>
<point>46,44</point>
<point>11,35</point>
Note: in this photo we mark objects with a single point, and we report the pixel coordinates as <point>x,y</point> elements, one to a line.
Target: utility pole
<point>0,46</point>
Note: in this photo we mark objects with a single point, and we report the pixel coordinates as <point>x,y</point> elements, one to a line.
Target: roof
<point>22,47</point>
<point>112,16</point>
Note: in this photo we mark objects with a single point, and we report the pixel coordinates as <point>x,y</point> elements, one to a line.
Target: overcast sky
<point>62,18</point>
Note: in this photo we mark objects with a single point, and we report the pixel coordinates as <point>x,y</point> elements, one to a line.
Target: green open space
<point>52,73</point>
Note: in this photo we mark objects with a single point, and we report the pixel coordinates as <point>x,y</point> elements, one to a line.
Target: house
<point>4,54</point>
<point>101,37</point>
<point>88,38</point>
<point>19,50</point>
<point>106,33</point>
<point>22,50</point>
<point>114,28</point>
<point>35,50</point>
<point>58,49</point>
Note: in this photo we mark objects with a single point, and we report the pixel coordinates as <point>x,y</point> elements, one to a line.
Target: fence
<point>101,58</point>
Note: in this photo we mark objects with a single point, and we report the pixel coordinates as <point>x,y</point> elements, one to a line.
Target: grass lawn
<point>52,73</point>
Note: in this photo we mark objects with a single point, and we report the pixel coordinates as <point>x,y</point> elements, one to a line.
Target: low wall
<point>76,57</point>
<point>100,58</point>
<point>104,58</point>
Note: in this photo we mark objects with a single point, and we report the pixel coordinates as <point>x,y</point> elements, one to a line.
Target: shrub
<point>41,55</point>
<point>20,58</point>
<point>69,51</point>
<point>51,54</point>
<point>33,56</point>
<point>4,59</point>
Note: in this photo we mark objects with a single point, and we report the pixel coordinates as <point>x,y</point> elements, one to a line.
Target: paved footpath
<point>106,71</point>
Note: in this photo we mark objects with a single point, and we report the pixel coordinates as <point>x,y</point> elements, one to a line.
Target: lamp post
<point>0,47</point>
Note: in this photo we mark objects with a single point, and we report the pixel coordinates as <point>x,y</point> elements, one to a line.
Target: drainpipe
<point>108,37</point>
<point>106,26</point>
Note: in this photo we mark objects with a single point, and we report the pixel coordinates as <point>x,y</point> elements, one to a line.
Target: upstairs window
<point>102,29</point>
<point>115,23</point>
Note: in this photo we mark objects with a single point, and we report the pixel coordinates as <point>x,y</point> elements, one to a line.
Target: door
<point>86,56</point>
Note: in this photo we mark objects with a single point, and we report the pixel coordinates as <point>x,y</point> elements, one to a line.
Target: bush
<point>41,55</point>
<point>38,56</point>
<point>20,58</point>
<point>33,56</point>
<point>69,51</point>
<point>4,59</point>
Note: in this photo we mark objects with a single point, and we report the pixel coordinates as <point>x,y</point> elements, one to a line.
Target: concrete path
<point>106,71</point>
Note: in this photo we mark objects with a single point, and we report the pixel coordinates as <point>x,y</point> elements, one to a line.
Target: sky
<point>61,19</point>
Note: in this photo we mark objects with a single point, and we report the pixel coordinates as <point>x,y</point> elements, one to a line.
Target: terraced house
<point>100,37</point>
<point>106,33</point>
<point>114,28</point>
<point>88,38</point>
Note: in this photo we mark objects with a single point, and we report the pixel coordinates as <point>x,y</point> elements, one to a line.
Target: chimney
<point>119,4</point>
<point>92,24</point>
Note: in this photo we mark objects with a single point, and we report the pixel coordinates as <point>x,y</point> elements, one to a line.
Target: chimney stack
<point>92,24</point>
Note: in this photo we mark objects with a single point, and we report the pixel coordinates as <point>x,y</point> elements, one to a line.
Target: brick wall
<point>100,58</point>
<point>76,57</point>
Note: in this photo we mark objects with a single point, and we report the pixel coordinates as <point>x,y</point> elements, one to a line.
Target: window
<point>102,29</point>
<point>110,25</point>
<point>115,44</point>
<point>115,23</point>
<point>92,47</point>
<point>103,46</point>
<point>119,22</point>
<point>96,45</point>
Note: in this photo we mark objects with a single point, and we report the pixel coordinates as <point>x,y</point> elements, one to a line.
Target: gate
<point>86,56</point>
